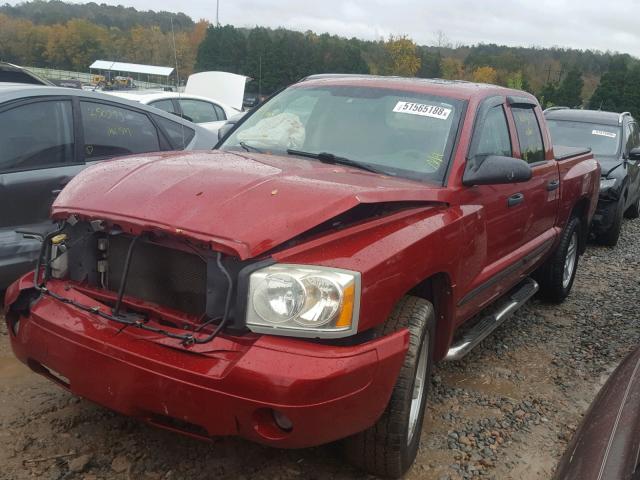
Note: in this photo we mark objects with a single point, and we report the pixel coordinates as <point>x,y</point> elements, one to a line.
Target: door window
<point>166,105</point>
<point>632,136</point>
<point>110,131</point>
<point>199,111</point>
<point>494,137</point>
<point>179,135</point>
<point>36,135</point>
<point>529,134</point>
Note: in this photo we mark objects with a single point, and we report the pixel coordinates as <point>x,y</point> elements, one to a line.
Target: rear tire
<point>389,447</point>
<point>556,276</point>
<point>610,237</point>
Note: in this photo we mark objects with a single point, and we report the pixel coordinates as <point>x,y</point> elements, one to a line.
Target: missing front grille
<point>161,275</point>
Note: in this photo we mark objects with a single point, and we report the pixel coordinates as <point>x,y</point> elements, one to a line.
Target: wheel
<point>389,447</point>
<point>634,210</point>
<point>556,276</point>
<point>610,237</point>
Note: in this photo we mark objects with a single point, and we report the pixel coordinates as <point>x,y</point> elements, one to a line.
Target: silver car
<point>49,134</point>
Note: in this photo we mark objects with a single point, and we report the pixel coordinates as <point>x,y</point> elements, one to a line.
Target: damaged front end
<point>172,287</point>
<point>166,330</point>
<point>177,288</point>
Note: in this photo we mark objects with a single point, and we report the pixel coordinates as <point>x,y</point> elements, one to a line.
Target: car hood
<point>224,87</point>
<point>242,203</point>
<point>608,164</point>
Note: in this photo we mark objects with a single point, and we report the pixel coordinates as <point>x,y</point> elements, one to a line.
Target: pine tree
<point>569,92</point>
<point>609,94</point>
<point>223,48</point>
<point>631,93</point>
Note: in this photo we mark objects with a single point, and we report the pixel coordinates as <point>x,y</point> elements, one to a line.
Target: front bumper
<point>229,387</point>
<point>605,214</point>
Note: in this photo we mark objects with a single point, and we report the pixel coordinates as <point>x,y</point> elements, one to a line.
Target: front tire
<point>389,447</point>
<point>634,210</point>
<point>556,276</point>
<point>611,236</point>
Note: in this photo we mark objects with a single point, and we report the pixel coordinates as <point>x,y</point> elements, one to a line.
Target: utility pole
<point>217,13</point>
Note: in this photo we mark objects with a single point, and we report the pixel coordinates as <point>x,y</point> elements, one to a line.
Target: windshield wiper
<point>250,148</point>
<point>326,157</point>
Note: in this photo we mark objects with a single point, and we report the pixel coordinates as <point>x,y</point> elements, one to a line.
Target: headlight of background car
<point>304,301</point>
<point>607,183</point>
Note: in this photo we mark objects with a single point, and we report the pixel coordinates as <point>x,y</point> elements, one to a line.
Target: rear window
<point>601,139</point>
<point>179,135</point>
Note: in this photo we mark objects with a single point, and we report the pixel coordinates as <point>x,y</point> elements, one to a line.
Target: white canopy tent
<point>151,72</point>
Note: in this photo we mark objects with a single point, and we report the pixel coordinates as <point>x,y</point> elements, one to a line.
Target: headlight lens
<point>607,183</point>
<point>278,298</point>
<point>303,301</point>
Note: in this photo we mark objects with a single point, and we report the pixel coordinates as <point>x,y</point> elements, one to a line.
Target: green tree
<point>223,48</point>
<point>608,95</point>
<point>631,92</point>
<point>569,92</point>
<point>430,64</point>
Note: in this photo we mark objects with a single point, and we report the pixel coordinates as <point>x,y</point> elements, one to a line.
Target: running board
<point>503,310</point>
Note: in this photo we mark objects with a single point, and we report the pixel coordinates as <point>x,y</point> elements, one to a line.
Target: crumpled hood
<point>248,203</point>
<point>608,164</point>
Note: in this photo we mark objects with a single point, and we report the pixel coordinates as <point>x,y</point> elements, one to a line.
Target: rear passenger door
<point>541,194</point>
<point>110,130</point>
<point>39,154</point>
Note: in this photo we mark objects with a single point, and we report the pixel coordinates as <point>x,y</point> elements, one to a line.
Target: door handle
<point>553,185</point>
<point>515,199</point>
<point>56,192</point>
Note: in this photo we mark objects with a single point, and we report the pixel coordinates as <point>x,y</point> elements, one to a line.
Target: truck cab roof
<point>458,89</point>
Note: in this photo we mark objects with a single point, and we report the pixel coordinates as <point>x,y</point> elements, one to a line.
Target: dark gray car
<point>49,134</point>
<point>614,139</point>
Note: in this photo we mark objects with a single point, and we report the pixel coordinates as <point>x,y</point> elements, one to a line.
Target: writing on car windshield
<point>601,139</point>
<point>396,132</point>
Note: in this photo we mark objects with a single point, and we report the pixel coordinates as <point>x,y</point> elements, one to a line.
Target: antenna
<point>217,13</point>
<point>175,57</point>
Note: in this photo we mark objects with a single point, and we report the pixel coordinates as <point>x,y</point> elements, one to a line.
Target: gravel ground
<point>506,411</point>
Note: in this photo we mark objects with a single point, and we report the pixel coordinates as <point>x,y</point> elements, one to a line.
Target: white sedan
<point>206,112</point>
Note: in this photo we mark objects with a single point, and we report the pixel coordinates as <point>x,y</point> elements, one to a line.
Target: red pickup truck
<point>295,286</point>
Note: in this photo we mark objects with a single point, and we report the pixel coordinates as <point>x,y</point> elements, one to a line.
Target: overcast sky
<point>586,24</point>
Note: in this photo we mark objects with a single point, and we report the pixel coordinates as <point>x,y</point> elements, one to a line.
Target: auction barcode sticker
<point>602,133</point>
<point>423,110</point>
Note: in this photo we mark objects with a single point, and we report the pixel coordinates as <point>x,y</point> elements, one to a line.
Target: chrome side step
<point>503,309</point>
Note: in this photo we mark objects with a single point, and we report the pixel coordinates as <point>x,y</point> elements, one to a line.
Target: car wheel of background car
<point>556,276</point>
<point>389,447</point>
<point>634,210</point>
<point>610,237</point>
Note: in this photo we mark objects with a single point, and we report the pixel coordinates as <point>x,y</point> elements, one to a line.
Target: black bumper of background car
<point>606,212</point>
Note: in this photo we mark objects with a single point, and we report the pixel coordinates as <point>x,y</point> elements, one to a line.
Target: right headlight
<point>606,183</point>
<point>303,301</point>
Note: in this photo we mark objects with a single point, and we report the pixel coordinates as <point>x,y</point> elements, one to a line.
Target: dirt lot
<point>505,412</point>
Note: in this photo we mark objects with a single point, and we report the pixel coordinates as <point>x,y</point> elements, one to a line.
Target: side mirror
<point>634,154</point>
<point>495,170</point>
<point>224,129</point>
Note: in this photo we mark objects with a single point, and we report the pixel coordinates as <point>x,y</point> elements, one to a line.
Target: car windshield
<point>602,139</point>
<point>395,132</point>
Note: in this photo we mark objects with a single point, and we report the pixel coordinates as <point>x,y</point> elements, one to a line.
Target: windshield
<point>396,132</point>
<point>602,139</point>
